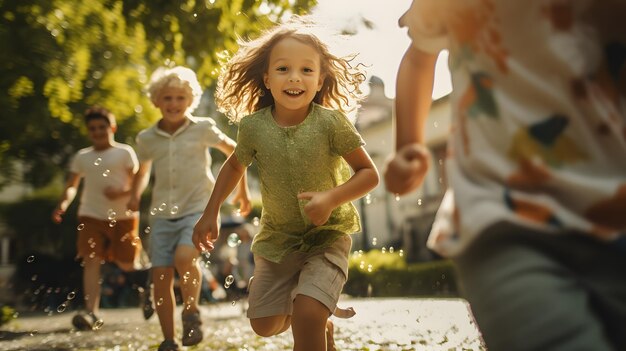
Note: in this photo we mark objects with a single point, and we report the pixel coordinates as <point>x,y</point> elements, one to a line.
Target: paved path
<point>380,324</point>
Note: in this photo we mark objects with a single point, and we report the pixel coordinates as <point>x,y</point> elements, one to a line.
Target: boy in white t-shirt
<point>107,230</point>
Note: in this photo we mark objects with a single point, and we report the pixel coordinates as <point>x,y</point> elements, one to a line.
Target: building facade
<point>388,220</point>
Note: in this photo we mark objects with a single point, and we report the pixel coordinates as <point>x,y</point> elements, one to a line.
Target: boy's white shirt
<point>101,169</point>
<point>181,164</point>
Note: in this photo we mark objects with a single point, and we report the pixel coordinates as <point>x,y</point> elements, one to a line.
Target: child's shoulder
<point>84,151</point>
<point>259,116</point>
<point>124,147</point>
<point>328,114</point>
<point>202,120</point>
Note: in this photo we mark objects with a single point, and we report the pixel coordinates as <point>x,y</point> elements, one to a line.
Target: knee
<point>267,327</point>
<point>126,266</point>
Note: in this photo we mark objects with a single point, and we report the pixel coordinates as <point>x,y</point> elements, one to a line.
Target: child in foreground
<point>294,94</point>
<point>536,163</point>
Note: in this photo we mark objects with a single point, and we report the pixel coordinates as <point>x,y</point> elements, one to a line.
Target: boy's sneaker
<point>86,321</point>
<point>168,345</point>
<point>192,328</point>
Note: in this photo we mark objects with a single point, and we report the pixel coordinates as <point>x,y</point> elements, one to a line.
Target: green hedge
<point>387,274</point>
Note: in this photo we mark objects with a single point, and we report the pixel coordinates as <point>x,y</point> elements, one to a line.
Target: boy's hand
<point>406,170</point>
<point>245,206</point>
<point>133,204</point>
<point>57,215</point>
<point>319,208</point>
<point>205,232</point>
<point>112,193</point>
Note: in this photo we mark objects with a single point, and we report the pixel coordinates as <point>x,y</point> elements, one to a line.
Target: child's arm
<point>71,186</point>
<point>138,185</point>
<point>364,179</point>
<point>206,230</point>
<point>406,170</point>
<point>242,195</point>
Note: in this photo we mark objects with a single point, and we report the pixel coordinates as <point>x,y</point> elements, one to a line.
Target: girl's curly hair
<point>240,88</point>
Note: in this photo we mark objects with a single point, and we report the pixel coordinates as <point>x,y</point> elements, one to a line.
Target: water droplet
<point>160,302</point>
<point>419,202</point>
<point>147,230</point>
<point>97,162</point>
<point>97,324</point>
<point>106,173</point>
<point>112,223</point>
<point>136,241</point>
<point>174,210</point>
<point>81,226</point>
<point>92,255</point>
<point>162,277</point>
<point>162,207</point>
<point>233,240</point>
<point>397,197</point>
<point>34,277</point>
<point>390,249</point>
<point>129,213</point>
<point>229,281</point>
<point>71,295</point>
<point>30,259</point>
<point>368,199</point>
<point>154,211</point>
<point>369,268</point>
<point>61,308</point>
<point>255,221</point>
<point>374,241</point>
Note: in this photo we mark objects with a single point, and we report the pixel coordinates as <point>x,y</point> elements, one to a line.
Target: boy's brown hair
<point>98,112</point>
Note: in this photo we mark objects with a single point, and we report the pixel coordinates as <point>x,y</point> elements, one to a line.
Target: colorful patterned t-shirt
<point>539,121</point>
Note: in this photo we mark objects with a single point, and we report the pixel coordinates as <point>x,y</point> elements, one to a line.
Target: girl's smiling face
<point>293,77</point>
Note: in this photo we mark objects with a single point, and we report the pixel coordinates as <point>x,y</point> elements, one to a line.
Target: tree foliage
<point>60,56</point>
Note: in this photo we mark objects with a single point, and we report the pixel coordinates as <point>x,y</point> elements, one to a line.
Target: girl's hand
<point>319,208</point>
<point>406,170</point>
<point>205,233</point>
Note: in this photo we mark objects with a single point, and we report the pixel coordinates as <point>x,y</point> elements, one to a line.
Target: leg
<point>270,326</point>
<point>523,297</point>
<point>91,283</point>
<point>185,260</point>
<point>330,335</point>
<point>163,279</point>
<point>309,324</point>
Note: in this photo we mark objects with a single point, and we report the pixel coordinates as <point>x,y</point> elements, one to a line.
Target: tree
<point>60,56</point>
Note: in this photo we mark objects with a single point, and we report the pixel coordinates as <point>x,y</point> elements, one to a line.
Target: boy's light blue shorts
<point>167,234</point>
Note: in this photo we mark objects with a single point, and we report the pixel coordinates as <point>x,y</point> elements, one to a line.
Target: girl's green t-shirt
<point>295,159</point>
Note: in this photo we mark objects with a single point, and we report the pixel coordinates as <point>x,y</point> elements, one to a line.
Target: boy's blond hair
<point>178,77</point>
<point>240,88</point>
